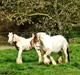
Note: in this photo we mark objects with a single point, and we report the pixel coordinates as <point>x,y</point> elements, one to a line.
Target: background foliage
<point>52,16</point>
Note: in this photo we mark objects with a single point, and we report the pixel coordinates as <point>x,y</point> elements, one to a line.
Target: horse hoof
<point>60,60</point>
<point>19,61</point>
<point>47,61</point>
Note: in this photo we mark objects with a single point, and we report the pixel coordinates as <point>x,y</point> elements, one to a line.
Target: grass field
<point>31,66</point>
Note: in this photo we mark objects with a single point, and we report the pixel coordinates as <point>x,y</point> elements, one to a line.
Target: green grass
<point>31,66</point>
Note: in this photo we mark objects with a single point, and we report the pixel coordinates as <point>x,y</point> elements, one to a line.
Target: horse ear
<point>35,38</point>
<point>33,34</point>
<point>11,32</point>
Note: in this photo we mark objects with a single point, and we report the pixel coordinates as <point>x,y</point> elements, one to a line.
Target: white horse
<point>20,43</point>
<point>50,44</point>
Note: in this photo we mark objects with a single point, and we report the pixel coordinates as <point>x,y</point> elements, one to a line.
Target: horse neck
<point>16,38</point>
<point>46,37</point>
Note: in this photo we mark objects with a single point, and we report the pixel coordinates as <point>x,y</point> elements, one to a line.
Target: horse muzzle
<point>10,42</point>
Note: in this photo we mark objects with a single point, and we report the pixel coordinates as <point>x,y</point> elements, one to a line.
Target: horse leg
<point>39,55</point>
<point>46,60</point>
<point>60,58</point>
<point>19,58</point>
<point>66,54</point>
<point>52,60</point>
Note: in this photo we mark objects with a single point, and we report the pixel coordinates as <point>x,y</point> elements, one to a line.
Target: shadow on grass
<point>77,65</point>
<point>7,60</point>
<point>6,72</point>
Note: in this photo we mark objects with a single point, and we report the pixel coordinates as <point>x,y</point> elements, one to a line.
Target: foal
<point>20,43</point>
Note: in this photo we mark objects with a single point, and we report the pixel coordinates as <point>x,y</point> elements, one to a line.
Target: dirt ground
<point>6,47</point>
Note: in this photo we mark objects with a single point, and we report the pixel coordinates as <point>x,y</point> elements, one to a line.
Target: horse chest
<point>15,44</point>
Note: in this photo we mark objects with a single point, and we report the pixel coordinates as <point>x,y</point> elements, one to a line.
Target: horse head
<point>10,36</point>
<point>35,42</point>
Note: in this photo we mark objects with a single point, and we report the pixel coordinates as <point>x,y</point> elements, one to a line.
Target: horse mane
<point>35,38</point>
<point>19,37</point>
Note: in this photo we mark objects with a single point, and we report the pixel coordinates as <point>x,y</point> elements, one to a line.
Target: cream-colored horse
<point>49,44</point>
<point>20,43</point>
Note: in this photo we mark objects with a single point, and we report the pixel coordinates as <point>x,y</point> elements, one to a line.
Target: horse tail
<point>68,54</point>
